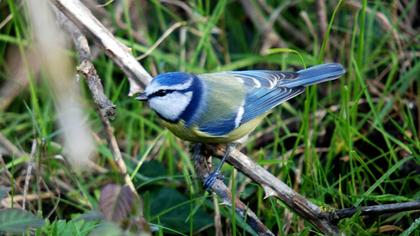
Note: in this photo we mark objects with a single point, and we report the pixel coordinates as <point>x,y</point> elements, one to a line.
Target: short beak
<point>142,97</point>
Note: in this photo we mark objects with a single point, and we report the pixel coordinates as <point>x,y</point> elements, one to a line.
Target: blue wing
<point>220,127</point>
<point>264,92</point>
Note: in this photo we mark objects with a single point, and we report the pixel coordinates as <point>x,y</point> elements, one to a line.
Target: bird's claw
<point>211,178</point>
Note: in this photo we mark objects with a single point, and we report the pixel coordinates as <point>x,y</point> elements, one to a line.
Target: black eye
<point>161,93</point>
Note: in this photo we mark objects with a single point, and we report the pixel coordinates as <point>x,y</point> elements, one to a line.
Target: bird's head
<point>169,94</point>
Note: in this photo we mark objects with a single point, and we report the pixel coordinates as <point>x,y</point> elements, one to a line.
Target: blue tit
<point>223,107</point>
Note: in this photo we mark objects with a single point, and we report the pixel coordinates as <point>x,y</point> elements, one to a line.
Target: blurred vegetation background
<point>351,142</point>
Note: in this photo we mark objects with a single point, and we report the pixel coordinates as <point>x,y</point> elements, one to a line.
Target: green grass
<point>364,151</point>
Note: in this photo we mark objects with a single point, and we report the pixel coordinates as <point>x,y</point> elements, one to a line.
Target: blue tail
<point>315,75</point>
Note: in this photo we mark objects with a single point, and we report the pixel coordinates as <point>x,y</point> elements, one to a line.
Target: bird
<point>224,107</point>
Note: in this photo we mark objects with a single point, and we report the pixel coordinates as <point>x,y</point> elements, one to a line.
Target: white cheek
<point>171,105</point>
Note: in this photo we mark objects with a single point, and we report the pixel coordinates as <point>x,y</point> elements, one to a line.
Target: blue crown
<point>172,78</point>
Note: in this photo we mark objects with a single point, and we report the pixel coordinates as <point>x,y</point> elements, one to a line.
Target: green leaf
<point>173,211</point>
<point>73,227</point>
<point>14,220</point>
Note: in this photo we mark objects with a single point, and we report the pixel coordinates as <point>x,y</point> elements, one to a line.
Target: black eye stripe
<point>161,93</point>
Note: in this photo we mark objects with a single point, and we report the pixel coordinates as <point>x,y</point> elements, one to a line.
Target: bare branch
<point>107,108</point>
<point>374,210</point>
<point>118,52</point>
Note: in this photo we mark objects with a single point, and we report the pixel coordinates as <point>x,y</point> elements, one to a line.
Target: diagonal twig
<point>118,52</point>
<point>203,170</point>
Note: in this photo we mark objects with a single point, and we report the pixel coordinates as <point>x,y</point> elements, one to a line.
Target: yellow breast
<point>193,134</point>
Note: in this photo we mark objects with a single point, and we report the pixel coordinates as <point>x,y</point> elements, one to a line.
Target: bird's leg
<point>211,178</point>
<point>197,149</point>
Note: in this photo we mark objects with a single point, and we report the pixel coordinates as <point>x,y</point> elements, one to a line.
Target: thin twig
<point>374,210</point>
<point>203,170</point>
<point>106,107</point>
<point>116,152</point>
<point>31,164</point>
<point>118,52</point>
